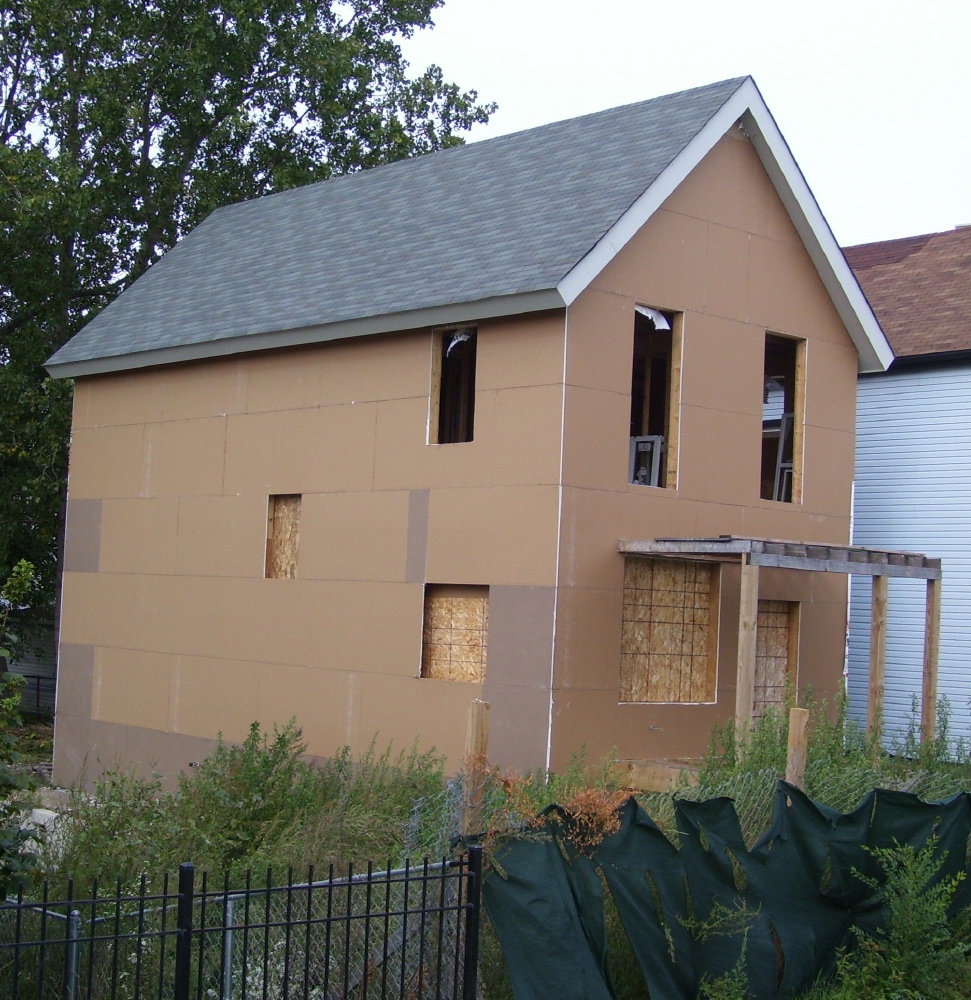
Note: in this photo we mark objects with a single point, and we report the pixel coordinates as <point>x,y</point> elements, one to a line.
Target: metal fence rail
<point>407,932</point>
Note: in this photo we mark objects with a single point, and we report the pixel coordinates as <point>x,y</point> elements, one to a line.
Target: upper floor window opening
<point>655,397</point>
<point>783,390</point>
<point>452,418</point>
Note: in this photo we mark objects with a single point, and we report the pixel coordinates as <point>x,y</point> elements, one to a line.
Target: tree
<point>123,124</point>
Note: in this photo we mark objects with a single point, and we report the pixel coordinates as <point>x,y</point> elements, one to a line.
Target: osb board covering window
<point>668,640</point>
<point>776,630</point>
<point>282,535</point>
<point>455,632</point>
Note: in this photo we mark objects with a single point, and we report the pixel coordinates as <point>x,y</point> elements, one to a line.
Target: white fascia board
<point>746,105</point>
<point>667,182</point>
<point>466,313</point>
<point>874,350</point>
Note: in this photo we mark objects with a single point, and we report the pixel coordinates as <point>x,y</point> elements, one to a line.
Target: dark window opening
<point>781,403</point>
<point>651,397</point>
<point>456,386</point>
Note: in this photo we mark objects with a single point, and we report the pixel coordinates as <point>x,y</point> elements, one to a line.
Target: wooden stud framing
<point>798,421</point>
<point>932,641</point>
<point>747,625</point>
<point>878,653</point>
<point>674,404</point>
<point>435,387</point>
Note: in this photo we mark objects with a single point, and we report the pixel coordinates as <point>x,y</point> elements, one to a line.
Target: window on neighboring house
<point>782,418</point>
<point>776,653</point>
<point>668,643</point>
<point>455,630</point>
<point>282,535</point>
<point>655,397</point>
<point>453,386</point>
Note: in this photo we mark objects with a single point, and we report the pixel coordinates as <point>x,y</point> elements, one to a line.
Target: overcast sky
<point>874,98</point>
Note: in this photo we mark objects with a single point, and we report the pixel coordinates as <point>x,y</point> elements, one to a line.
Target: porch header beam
<point>845,559</point>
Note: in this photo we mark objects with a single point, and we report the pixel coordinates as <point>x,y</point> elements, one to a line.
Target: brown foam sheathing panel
<point>282,536</point>
<point>455,632</point>
<point>666,645</point>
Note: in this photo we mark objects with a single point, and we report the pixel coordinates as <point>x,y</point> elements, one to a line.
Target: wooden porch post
<point>878,653</point>
<point>932,641</point>
<point>748,609</point>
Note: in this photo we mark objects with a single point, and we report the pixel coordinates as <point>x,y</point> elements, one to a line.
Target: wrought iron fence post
<point>474,897</point>
<point>227,984</point>
<point>183,940</point>
<point>71,962</point>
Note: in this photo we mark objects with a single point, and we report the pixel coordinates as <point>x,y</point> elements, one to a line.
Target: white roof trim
<point>746,104</point>
<point>467,313</point>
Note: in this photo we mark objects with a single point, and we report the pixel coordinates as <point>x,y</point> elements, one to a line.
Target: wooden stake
<point>796,753</point>
<point>748,610</point>
<point>476,763</point>
<point>878,654</point>
<point>932,642</point>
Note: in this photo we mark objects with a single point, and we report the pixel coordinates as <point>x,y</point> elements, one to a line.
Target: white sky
<point>873,96</point>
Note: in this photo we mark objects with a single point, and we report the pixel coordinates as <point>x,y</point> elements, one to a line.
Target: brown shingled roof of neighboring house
<point>920,289</point>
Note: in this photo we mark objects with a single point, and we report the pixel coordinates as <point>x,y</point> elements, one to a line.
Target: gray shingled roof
<point>509,216</point>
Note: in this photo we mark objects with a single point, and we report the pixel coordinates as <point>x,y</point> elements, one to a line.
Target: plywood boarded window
<point>668,642</point>
<point>453,386</point>
<point>282,535</point>
<point>776,645</point>
<point>455,632</point>
<point>655,397</point>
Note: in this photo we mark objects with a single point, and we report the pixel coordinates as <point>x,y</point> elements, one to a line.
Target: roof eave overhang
<point>415,319</point>
<point>746,105</point>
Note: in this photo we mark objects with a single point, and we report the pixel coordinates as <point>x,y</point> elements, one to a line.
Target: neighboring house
<point>913,464</point>
<point>365,451</point>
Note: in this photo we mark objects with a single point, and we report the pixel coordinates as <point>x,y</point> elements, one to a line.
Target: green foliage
<point>921,951</point>
<point>17,857</point>
<point>123,124</point>
<point>253,805</point>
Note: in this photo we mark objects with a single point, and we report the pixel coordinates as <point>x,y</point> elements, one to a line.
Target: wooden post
<point>932,642</point>
<point>748,609</point>
<point>475,765</point>
<point>796,752</point>
<point>878,654</point>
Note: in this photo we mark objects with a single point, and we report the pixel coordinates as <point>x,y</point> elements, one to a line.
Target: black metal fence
<point>409,933</point>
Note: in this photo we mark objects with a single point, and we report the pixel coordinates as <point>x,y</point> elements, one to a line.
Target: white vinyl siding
<point>913,492</point>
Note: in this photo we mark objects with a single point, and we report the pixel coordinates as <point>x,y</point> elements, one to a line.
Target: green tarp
<point>691,911</point>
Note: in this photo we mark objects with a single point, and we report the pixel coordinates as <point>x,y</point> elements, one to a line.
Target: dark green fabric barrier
<point>694,911</point>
